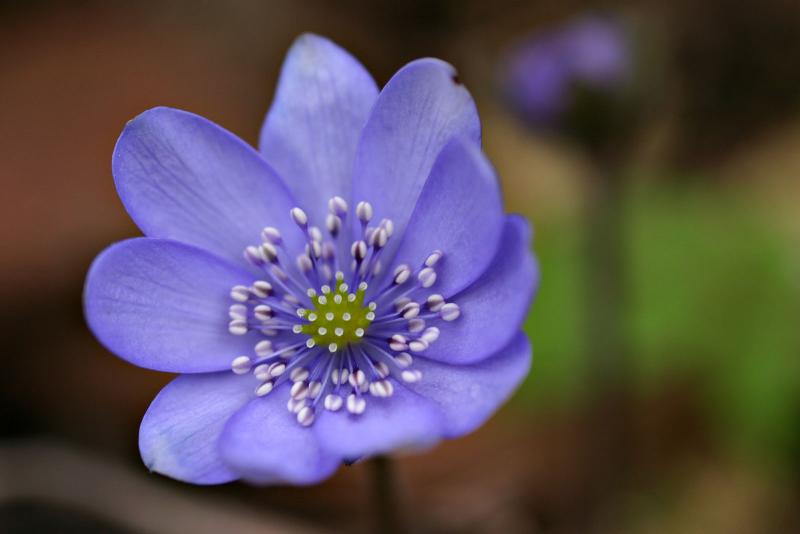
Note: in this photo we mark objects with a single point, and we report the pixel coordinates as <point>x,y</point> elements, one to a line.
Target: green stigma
<point>338,317</point>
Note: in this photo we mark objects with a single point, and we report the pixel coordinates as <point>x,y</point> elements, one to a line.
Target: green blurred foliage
<point>714,298</point>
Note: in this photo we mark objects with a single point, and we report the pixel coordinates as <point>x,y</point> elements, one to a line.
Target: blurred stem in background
<point>607,351</point>
<point>385,497</point>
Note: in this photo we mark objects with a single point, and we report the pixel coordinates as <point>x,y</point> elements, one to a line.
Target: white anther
<point>410,310</point>
<point>399,303</point>
<point>253,255</point>
<point>314,248</point>
<point>404,359</point>
<point>333,402</point>
<point>237,311</point>
<point>312,317</point>
<point>310,343</point>
<point>376,267</point>
<point>387,225</point>
<point>298,374</point>
<point>325,271</point>
<point>264,389</point>
<point>262,289</point>
<point>435,302</point>
<point>240,293</point>
<point>295,406</point>
<point>262,371</point>
<point>370,316</point>
<point>313,389</point>
<point>398,342</point>
<point>287,354</point>
<point>377,389</point>
<point>351,297</point>
<point>416,325</point>
<point>418,345</point>
<point>270,234</point>
<point>450,311</point>
<point>306,416</point>
<point>237,327</point>
<point>337,206</point>
<point>304,263</point>
<point>337,298</point>
<point>362,286</point>
<point>268,331</point>
<point>311,292</point>
<point>263,312</point>
<point>433,258</point>
<point>276,369</point>
<point>356,405</point>
<point>299,391</point>
<point>411,376</point>
<point>241,365</point>
<point>344,376</point>
<point>379,238</point>
<point>364,212</point>
<point>333,223</point>
<point>297,329</point>
<point>322,299</point>
<point>299,216</point>
<point>315,233</point>
<point>382,369</point>
<point>343,288</point>
<point>263,348</point>
<point>269,252</point>
<point>427,277</point>
<point>430,334</point>
<point>291,299</point>
<point>325,289</point>
<point>328,252</point>
<point>359,332</point>
<point>346,317</point>
<point>358,250</point>
<point>278,273</point>
<point>333,347</point>
<point>358,378</point>
<point>402,274</point>
<point>322,330</point>
<point>339,332</point>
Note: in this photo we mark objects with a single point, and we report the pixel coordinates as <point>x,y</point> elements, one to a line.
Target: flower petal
<point>421,108</point>
<point>180,431</point>
<point>403,421</point>
<point>459,212</point>
<point>163,305</point>
<point>311,132</point>
<point>469,394</point>
<point>183,177</point>
<point>494,307</point>
<point>265,444</point>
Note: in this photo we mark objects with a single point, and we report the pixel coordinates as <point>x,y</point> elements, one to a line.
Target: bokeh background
<point>665,390</point>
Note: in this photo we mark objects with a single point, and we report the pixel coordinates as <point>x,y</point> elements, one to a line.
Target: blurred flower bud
<point>571,79</point>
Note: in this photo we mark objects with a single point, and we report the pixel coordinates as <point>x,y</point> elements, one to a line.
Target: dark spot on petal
<point>456,79</point>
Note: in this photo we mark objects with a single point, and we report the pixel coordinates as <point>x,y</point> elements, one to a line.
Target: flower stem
<point>384,496</point>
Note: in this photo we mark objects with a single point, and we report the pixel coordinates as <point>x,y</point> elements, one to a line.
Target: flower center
<point>338,338</point>
<point>338,317</point>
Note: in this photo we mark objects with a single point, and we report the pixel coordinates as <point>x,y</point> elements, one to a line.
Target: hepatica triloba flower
<point>351,288</point>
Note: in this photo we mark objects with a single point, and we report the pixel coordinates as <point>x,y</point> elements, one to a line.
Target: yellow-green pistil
<point>338,317</point>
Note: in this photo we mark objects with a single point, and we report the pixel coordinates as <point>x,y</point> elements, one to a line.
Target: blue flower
<point>545,73</point>
<point>350,289</point>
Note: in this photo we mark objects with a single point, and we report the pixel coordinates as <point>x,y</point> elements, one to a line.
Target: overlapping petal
<point>311,132</point>
<point>179,433</point>
<point>404,421</point>
<point>494,307</point>
<point>469,394</point>
<point>163,305</point>
<point>421,108</point>
<point>459,212</point>
<point>183,177</point>
<point>265,444</point>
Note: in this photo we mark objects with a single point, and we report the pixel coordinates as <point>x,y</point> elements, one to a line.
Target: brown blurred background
<point>709,386</point>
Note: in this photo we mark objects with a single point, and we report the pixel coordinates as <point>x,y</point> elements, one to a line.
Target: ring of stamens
<point>319,330</point>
